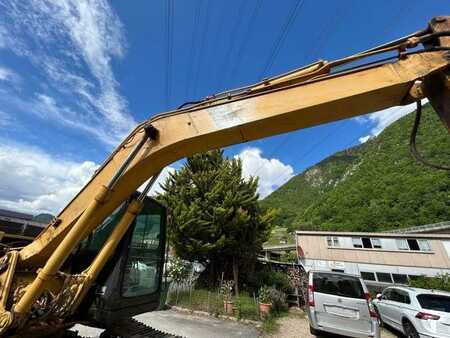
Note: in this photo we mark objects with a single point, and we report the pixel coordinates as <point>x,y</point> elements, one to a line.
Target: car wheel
<point>410,330</point>
<point>314,331</point>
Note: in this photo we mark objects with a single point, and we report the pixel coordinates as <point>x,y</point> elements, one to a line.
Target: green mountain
<point>43,218</point>
<point>375,186</point>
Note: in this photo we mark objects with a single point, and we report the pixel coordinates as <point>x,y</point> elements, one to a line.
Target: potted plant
<point>265,301</point>
<point>227,292</point>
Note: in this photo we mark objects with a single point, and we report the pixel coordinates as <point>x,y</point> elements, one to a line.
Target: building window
<point>424,245</point>
<point>400,278</point>
<point>357,242</point>
<point>413,244</point>
<point>384,277</point>
<point>333,241</point>
<point>366,242</point>
<point>376,243</point>
<point>402,244</point>
<point>368,275</point>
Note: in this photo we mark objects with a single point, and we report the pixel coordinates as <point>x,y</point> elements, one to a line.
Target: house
<point>379,258</point>
<point>18,228</point>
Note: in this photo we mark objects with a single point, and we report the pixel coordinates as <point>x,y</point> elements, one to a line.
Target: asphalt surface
<point>191,326</point>
<point>186,325</point>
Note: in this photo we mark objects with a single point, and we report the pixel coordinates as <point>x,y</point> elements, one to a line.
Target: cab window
<point>142,268</point>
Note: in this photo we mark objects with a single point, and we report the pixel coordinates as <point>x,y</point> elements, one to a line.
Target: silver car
<point>339,303</point>
<point>415,312</point>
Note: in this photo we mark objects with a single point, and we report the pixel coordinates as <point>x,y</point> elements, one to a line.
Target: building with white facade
<point>379,258</point>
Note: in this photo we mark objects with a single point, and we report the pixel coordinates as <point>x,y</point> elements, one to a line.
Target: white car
<point>415,312</point>
<point>339,303</point>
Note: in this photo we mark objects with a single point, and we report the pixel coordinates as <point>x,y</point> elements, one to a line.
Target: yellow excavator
<point>100,260</point>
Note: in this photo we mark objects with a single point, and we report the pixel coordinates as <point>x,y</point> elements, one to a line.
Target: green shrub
<point>276,279</point>
<point>289,257</point>
<point>440,282</point>
<point>278,300</point>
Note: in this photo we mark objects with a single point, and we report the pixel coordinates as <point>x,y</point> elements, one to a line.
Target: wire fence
<point>185,295</point>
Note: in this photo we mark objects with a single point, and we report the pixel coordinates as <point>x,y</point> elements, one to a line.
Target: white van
<point>340,303</point>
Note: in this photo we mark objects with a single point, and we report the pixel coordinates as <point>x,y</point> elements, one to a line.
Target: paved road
<point>196,326</point>
<point>186,325</point>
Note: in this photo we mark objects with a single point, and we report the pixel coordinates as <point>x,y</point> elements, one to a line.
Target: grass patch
<point>246,307</point>
<point>271,324</point>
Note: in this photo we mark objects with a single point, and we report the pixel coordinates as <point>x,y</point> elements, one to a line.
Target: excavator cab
<point>130,283</point>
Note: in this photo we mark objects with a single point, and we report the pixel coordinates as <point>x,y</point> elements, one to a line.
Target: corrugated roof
<point>15,214</point>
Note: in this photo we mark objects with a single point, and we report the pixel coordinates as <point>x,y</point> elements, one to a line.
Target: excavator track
<point>131,328</point>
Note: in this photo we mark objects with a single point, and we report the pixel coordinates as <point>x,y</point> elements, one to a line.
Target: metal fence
<point>185,295</point>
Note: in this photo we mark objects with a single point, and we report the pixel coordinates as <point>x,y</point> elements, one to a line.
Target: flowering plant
<point>264,295</point>
<point>227,290</point>
<point>178,270</point>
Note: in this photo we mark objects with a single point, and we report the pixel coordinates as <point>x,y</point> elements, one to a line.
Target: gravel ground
<point>296,325</point>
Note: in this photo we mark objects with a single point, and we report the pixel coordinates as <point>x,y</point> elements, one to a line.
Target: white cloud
<point>7,75</point>
<point>73,42</point>
<point>383,118</point>
<point>272,172</point>
<point>5,119</point>
<point>156,188</point>
<point>364,139</point>
<point>33,181</point>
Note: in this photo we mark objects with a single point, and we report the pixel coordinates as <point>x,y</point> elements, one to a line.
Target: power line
<point>202,45</point>
<point>218,39</point>
<point>233,34</point>
<point>288,136</point>
<point>314,146</point>
<point>292,16</point>
<point>279,41</point>
<point>169,50</point>
<point>192,53</point>
<point>244,41</point>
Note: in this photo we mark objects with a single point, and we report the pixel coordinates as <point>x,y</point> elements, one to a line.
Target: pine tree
<point>214,215</point>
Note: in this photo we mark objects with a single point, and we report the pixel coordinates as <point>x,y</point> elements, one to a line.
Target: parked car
<point>415,312</point>
<point>339,303</point>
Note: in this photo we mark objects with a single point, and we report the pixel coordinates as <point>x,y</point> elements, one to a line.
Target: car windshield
<point>434,302</point>
<point>338,285</point>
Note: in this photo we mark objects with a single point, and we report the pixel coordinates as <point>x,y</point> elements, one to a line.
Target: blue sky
<point>76,76</point>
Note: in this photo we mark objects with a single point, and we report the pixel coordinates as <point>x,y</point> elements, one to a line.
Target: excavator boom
<point>307,97</point>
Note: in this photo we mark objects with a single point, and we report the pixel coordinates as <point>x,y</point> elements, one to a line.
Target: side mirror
<point>379,296</point>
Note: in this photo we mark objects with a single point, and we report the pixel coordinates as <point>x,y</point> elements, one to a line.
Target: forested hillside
<point>372,187</point>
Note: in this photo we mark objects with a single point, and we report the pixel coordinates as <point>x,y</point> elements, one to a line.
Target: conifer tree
<point>214,215</point>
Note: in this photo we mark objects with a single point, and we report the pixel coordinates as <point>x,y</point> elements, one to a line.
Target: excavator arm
<point>319,93</point>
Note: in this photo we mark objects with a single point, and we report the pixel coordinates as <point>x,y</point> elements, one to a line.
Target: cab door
<point>130,283</point>
<point>142,268</point>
